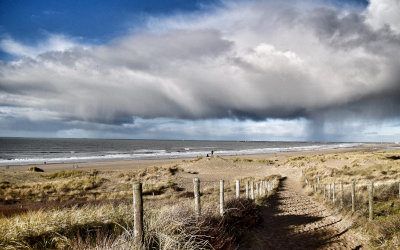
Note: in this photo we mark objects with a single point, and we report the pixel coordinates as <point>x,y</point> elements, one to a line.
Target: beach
<point>23,151</point>
<point>220,166</point>
<point>168,183</point>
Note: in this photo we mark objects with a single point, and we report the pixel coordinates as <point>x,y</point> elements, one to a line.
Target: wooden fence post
<point>333,193</point>
<point>341,195</point>
<point>264,187</point>
<point>196,190</point>
<point>324,192</point>
<point>221,197</point>
<point>399,190</point>
<point>252,190</point>
<point>315,185</point>
<point>259,189</point>
<point>353,196</point>
<point>247,190</point>
<point>329,192</point>
<point>237,189</point>
<point>256,189</point>
<point>371,200</point>
<point>137,214</point>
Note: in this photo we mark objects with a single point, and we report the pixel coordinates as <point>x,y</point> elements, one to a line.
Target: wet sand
<point>134,164</point>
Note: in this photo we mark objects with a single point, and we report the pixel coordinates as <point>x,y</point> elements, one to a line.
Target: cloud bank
<point>244,61</point>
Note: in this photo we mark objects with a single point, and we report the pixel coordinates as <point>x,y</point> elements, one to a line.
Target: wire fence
<point>248,189</point>
<point>209,190</point>
<point>358,195</point>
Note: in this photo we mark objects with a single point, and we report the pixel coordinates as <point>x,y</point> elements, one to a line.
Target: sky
<point>297,70</point>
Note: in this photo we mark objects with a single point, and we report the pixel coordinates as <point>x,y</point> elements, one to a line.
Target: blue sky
<point>92,20</point>
<point>254,70</point>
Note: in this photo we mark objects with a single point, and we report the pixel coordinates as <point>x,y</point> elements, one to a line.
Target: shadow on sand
<point>277,229</point>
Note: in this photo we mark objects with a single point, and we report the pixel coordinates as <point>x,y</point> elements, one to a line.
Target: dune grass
<point>53,228</point>
<point>382,167</point>
<point>169,224</point>
<point>72,184</point>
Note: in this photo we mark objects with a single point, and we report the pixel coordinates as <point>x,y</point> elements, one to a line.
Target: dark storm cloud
<point>377,106</point>
<point>244,61</point>
<point>351,31</point>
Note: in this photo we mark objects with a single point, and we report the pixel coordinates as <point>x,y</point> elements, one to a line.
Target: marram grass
<point>51,228</point>
<point>110,226</point>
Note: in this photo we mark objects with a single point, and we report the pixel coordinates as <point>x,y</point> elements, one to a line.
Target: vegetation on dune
<point>69,173</point>
<point>79,184</point>
<point>177,227</point>
<point>385,232</point>
<point>54,228</point>
<point>376,165</point>
<point>170,221</point>
<point>35,169</point>
<point>382,167</point>
<point>249,160</point>
<point>110,226</point>
<point>57,209</point>
<point>65,188</point>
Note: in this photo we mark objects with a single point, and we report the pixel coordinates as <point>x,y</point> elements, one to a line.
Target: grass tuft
<point>35,169</point>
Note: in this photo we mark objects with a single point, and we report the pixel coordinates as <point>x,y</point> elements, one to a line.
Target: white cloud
<point>27,113</point>
<point>384,12</point>
<point>54,43</point>
<point>247,60</point>
<point>222,129</point>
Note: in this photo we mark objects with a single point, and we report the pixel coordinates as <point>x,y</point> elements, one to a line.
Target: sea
<point>21,151</point>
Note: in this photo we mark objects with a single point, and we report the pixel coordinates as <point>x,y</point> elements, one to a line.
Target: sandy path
<point>293,220</point>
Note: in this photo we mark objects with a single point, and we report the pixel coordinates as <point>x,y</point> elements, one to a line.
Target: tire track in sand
<point>293,220</point>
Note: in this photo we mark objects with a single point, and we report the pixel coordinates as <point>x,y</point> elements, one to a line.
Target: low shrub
<point>35,169</point>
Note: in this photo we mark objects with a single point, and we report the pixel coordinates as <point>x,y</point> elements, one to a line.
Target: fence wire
<point>360,195</point>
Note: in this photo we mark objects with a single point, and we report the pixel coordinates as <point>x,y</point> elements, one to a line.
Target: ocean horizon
<point>22,151</point>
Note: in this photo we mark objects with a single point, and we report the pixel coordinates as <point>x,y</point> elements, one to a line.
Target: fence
<point>119,193</point>
<point>252,190</point>
<point>356,195</point>
<point>247,188</point>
